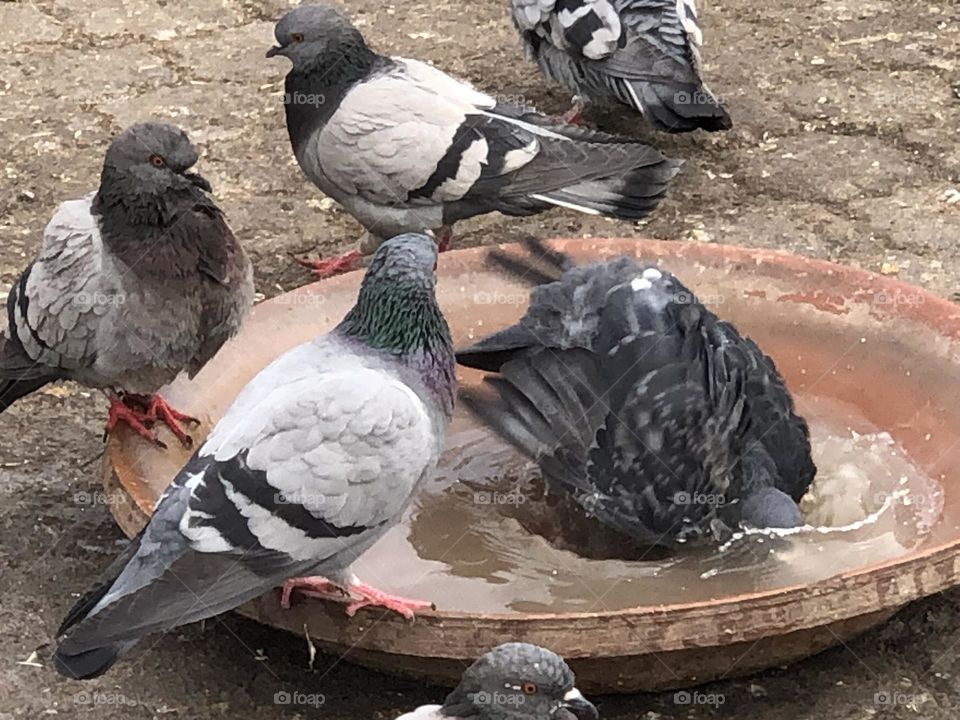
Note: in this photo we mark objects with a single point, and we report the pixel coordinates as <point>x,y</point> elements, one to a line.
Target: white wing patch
<point>468,171</point>
<point>515,159</point>
<point>203,538</point>
<point>687,12</point>
<point>425,712</point>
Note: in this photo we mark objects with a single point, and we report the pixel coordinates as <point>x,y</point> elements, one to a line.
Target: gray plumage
<point>642,53</point>
<point>315,459</point>
<point>657,417</point>
<point>132,284</point>
<point>514,681</point>
<point>405,147</point>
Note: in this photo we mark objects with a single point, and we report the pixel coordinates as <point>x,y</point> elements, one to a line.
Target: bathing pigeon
<point>660,419</point>
<point>406,148</point>
<point>313,462</point>
<point>132,284</point>
<point>643,53</point>
<point>515,681</point>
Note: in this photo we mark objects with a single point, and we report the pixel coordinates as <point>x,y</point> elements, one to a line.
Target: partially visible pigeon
<point>515,681</point>
<point>132,284</point>
<point>315,460</point>
<point>406,148</point>
<point>642,53</point>
<point>660,419</point>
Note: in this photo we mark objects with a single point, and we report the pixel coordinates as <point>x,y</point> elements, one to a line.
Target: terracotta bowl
<point>888,349</point>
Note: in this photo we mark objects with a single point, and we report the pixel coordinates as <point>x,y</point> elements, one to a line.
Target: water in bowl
<point>477,539</point>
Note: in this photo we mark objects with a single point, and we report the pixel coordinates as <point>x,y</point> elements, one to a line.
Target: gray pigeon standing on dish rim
<point>132,284</point>
<point>404,147</point>
<point>314,461</point>
<point>514,681</point>
<point>658,418</point>
<point>642,53</point>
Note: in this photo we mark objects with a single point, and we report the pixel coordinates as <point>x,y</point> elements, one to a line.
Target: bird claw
<point>331,266</point>
<point>371,597</point>
<point>158,409</point>
<point>130,410</point>
<point>140,412</point>
<point>317,587</point>
<point>324,589</point>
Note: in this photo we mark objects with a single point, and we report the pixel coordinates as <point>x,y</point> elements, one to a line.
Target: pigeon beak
<point>274,51</point>
<point>199,180</point>
<point>581,708</point>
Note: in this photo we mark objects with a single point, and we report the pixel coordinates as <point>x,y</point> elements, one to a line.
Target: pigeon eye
<point>529,688</point>
<point>157,161</point>
<point>296,37</point>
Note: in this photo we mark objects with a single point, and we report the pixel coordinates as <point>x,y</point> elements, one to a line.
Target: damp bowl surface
<point>885,352</point>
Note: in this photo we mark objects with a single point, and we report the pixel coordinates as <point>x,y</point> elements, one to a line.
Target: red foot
<point>159,410</point>
<point>332,266</point>
<point>574,116</point>
<point>140,412</point>
<point>368,596</point>
<point>444,235</point>
<point>122,411</point>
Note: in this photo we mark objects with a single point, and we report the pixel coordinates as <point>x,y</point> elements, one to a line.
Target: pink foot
<point>371,597</point>
<point>368,596</point>
<point>332,266</point>
<point>158,409</point>
<point>317,587</point>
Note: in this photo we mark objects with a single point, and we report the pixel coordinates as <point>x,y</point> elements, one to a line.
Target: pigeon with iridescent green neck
<point>314,461</point>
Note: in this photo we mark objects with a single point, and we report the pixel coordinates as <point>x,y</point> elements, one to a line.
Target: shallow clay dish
<point>888,349</point>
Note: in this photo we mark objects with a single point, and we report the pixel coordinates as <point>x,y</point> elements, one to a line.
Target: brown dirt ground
<point>845,147</point>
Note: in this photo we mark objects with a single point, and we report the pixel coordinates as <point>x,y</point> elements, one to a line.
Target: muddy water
<point>489,545</point>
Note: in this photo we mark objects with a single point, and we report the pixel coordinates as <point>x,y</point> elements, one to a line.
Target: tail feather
<point>88,664</point>
<point>13,390</point>
<point>679,108</point>
<point>630,196</point>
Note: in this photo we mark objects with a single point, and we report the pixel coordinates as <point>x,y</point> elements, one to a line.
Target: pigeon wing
<point>305,479</point>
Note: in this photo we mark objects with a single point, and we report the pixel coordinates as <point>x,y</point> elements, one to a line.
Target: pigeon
<point>642,53</point>
<point>515,681</point>
<point>404,147</point>
<point>661,420</point>
<point>132,285</point>
<point>315,459</point>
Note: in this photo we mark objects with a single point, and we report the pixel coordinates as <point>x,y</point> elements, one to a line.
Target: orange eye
<point>157,161</point>
<point>296,37</point>
<point>529,688</point>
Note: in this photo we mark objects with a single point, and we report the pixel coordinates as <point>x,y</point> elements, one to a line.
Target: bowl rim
<point>877,586</point>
